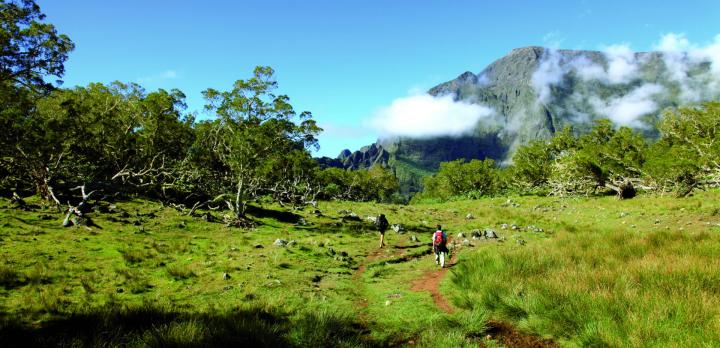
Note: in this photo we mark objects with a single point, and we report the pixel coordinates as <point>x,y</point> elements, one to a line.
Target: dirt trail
<point>430,282</point>
<point>501,332</point>
<point>508,336</point>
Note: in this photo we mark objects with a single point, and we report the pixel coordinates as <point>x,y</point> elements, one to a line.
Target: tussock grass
<point>601,273</point>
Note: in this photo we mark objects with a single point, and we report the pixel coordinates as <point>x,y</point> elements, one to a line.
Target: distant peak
<point>467,77</point>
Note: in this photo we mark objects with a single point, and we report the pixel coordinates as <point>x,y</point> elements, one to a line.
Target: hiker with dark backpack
<point>439,242</point>
<point>382,225</point>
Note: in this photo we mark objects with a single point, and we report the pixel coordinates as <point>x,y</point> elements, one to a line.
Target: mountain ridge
<point>535,92</point>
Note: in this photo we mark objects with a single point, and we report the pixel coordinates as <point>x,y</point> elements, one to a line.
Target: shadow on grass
<point>160,327</point>
<point>282,216</point>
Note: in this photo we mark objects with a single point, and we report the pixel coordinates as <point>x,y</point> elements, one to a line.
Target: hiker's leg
<point>442,259</point>
<point>437,258</point>
<point>382,239</point>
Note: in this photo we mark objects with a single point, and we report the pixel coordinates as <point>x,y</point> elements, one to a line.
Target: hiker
<point>381,224</point>
<point>440,246</point>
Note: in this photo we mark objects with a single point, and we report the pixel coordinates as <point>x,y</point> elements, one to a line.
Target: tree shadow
<point>282,216</point>
<point>153,326</point>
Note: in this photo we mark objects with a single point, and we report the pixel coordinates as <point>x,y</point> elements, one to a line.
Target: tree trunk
<point>239,202</point>
<point>624,189</point>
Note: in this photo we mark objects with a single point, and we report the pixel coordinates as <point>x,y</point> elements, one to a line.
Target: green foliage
<point>259,138</point>
<point>473,179</point>
<point>374,184</point>
<point>30,49</point>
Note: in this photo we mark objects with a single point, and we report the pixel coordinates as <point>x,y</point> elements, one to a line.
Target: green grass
<point>642,272</point>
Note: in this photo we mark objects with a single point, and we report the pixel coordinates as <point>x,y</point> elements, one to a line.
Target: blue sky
<point>344,60</point>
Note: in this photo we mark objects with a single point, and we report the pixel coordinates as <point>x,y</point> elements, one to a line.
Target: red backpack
<point>438,238</point>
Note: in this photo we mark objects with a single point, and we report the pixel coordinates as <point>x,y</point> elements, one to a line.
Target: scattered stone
<point>316,278</point>
<point>475,234</point>
<point>504,226</point>
<point>398,228</point>
<point>469,216</point>
<point>396,295</point>
<point>372,218</point>
<point>623,214</point>
<point>657,221</point>
<point>632,226</point>
<point>226,276</point>
<point>514,227</point>
<point>521,242</point>
<point>388,302</point>
<point>331,251</point>
<point>180,225</point>
<point>291,243</point>
<point>343,254</point>
<point>461,235</point>
<point>317,213</point>
<point>413,239</point>
<point>119,290</point>
<point>466,243</point>
<point>280,242</point>
<point>301,222</point>
<point>258,246</point>
<point>490,233</point>
<point>227,288</point>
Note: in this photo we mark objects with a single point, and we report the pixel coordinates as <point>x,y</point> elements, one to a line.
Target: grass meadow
<point>578,271</point>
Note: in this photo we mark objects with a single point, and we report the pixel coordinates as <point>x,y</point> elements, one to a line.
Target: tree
<point>687,155</point>
<point>533,162</point>
<point>29,49</point>
<point>256,132</point>
<point>473,179</point>
<point>605,158</point>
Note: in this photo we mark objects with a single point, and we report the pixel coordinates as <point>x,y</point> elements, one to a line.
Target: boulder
<point>398,228</point>
<point>280,242</point>
<point>226,276</point>
<point>413,239</point>
<point>469,216</point>
<point>475,234</point>
<point>490,233</point>
<point>461,235</point>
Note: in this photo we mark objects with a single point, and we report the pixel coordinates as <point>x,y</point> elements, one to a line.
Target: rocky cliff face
<point>535,92</point>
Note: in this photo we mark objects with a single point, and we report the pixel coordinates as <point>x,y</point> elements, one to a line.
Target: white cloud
<point>622,65</point>
<point>420,116</point>
<point>587,69</point>
<point>679,55</point>
<point>548,73</point>
<point>165,75</point>
<point>673,42</point>
<point>627,109</point>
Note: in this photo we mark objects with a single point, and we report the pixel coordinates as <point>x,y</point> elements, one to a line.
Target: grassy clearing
<point>582,271</point>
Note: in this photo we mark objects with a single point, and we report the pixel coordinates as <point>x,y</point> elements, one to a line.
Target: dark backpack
<point>381,222</point>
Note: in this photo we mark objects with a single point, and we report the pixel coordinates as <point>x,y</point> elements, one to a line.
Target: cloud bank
<point>422,116</point>
<point>623,67</point>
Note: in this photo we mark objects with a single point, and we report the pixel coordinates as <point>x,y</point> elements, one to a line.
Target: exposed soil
<point>430,282</point>
<point>508,336</point>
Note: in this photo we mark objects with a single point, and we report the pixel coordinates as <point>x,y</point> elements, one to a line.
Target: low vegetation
<point>579,271</point>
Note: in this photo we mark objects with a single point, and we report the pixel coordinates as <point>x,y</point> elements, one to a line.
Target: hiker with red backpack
<point>439,242</point>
